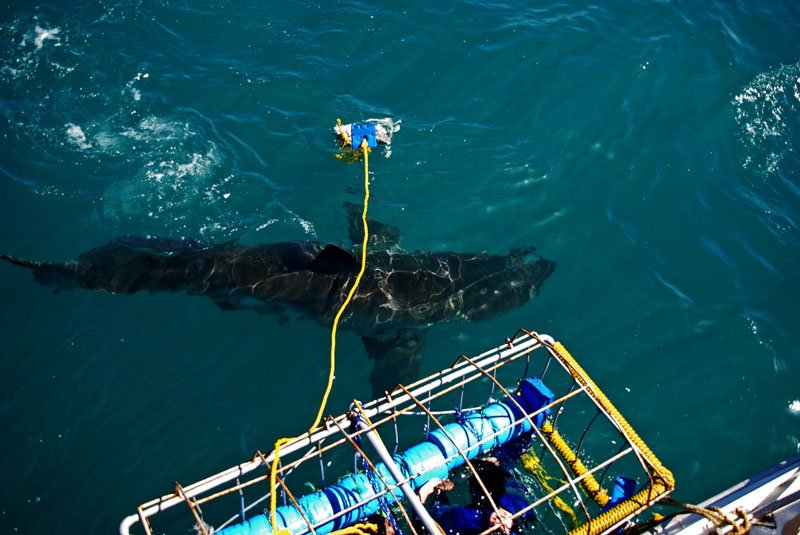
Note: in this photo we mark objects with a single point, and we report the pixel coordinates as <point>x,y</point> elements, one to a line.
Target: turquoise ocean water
<point>649,148</point>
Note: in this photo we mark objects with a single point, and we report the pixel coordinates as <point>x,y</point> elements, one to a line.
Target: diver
<point>479,515</point>
<point>382,523</point>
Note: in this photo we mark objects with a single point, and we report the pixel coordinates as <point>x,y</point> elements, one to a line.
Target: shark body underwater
<point>400,295</point>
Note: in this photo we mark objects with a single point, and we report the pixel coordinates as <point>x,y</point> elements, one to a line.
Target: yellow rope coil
<point>332,368</point>
<point>593,488</point>
<point>717,516</point>
<point>621,510</point>
<point>662,483</point>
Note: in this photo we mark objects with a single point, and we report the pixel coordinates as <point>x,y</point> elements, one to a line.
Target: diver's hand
<point>502,518</point>
<point>427,489</point>
<point>435,485</point>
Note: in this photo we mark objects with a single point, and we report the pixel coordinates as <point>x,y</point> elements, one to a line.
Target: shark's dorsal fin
<point>333,260</point>
<point>381,235</point>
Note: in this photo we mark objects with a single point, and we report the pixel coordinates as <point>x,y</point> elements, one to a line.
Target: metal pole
<point>411,496</point>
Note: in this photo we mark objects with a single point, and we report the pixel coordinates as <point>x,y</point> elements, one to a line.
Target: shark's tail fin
<point>46,273</point>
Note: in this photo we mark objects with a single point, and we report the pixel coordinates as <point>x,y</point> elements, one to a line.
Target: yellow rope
<point>273,496</point>
<point>345,139</point>
<point>593,488</point>
<point>584,379</point>
<point>662,483</point>
<point>622,510</point>
<point>717,516</point>
<point>332,368</point>
<point>352,292</point>
<point>531,462</point>
<point>364,528</point>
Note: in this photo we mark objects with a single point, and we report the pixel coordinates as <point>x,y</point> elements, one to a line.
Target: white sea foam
<point>158,129</point>
<point>136,94</point>
<point>177,181</point>
<point>766,110</point>
<point>265,225</point>
<point>794,407</point>
<point>167,167</point>
<point>33,40</point>
<point>106,141</point>
<point>44,34</point>
<point>77,137</point>
<point>199,165</point>
<point>308,227</point>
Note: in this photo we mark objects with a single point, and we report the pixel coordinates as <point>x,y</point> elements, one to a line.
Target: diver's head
<point>493,478</point>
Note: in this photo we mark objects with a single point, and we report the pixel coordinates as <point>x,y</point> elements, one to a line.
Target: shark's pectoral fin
<point>334,260</point>
<point>397,355</point>
<point>381,235</point>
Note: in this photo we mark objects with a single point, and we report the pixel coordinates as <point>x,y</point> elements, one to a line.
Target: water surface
<point>649,148</point>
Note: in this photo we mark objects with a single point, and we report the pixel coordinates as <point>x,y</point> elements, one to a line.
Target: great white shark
<point>400,295</point>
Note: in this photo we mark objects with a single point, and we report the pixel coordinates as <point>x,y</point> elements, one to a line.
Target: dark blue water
<point>649,148</point>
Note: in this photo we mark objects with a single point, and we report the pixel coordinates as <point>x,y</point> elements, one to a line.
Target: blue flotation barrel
<point>433,458</point>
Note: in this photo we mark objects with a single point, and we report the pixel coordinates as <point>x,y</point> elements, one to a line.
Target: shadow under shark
<point>400,295</point>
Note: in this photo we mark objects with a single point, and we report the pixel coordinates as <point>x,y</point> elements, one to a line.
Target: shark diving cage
<point>563,447</point>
